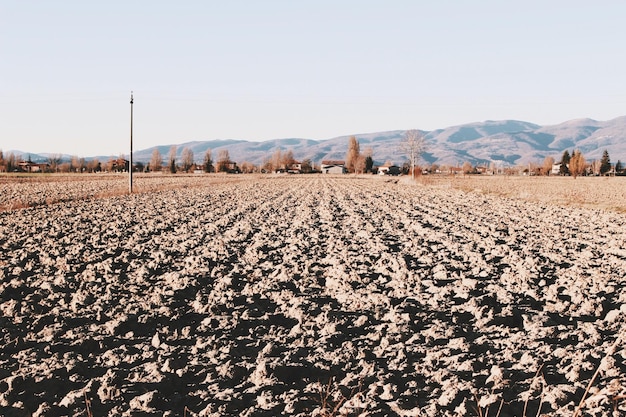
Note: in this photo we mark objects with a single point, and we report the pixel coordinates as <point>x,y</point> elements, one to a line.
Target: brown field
<point>214,295</point>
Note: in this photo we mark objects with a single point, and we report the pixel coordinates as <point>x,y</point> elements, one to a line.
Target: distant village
<point>356,162</point>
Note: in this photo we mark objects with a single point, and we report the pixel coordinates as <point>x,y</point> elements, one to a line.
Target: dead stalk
<point>610,351</point>
<point>593,379</point>
<point>540,403</point>
<point>88,405</point>
<point>500,408</point>
<point>328,409</point>
<point>479,412</point>
<point>531,384</point>
<point>326,402</point>
<point>616,400</point>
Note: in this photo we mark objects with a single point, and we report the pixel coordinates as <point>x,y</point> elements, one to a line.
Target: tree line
<point>188,164</point>
<point>572,164</point>
<point>53,163</point>
<point>356,161</point>
<point>279,161</point>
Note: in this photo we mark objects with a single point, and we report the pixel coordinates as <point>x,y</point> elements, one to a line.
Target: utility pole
<point>130,162</point>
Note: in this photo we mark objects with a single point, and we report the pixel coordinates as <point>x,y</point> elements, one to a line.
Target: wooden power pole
<point>130,159</point>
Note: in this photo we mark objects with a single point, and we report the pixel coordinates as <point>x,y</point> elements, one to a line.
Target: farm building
<point>389,170</point>
<point>333,167</point>
<point>28,166</point>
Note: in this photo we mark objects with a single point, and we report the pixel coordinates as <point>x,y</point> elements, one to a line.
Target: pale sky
<point>316,69</point>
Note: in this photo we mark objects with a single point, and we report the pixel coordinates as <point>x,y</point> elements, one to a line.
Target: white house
<point>389,170</point>
<point>294,168</point>
<point>333,167</point>
<point>556,169</point>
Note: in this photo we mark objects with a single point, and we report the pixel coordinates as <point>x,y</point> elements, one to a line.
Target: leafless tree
<point>110,165</point>
<point>186,159</point>
<point>94,166</point>
<point>276,161</point>
<point>413,146</point>
<point>368,159</point>
<point>54,160</point>
<point>288,159</point>
<point>353,154</point>
<point>74,164</point>
<point>65,167</point>
<point>172,159</point>
<point>548,163</point>
<point>307,166</point>
<point>248,167</point>
<point>223,160</point>
<point>577,164</point>
<point>156,162</point>
<point>534,169</point>
<point>207,164</point>
<point>595,167</point>
<point>360,165</point>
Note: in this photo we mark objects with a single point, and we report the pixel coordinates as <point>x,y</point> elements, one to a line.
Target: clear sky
<point>267,69</point>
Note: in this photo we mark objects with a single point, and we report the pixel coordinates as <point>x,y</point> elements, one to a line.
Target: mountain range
<point>505,142</point>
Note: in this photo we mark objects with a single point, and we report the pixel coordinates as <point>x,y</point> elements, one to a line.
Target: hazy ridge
<point>505,142</point>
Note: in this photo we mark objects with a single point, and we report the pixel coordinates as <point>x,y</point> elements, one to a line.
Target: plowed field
<point>310,295</point>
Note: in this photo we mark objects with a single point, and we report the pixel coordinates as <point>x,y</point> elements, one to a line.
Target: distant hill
<point>506,142</point>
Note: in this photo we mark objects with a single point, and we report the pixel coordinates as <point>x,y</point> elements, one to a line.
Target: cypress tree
<point>605,163</point>
<point>564,162</point>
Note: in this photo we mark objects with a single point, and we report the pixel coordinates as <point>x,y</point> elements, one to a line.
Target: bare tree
<point>65,167</point>
<point>352,157</point>
<point>595,167</point>
<point>467,168</point>
<point>223,160</point>
<point>94,166</point>
<point>54,160</point>
<point>534,169</point>
<point>74,164</point>
<point>307,166</point>
<point>548,163</point>
<point>110,165</point>
<point>360,165</point>
<point>207,164</point>
<point>413,146</point>
<point>186,159</point>
<point>267,165</point>
<point>577,164</point>
<point>156,162</point>
<point>172,160</point>
<point>368,159</point>
<point>288,159</point>
<point>276,161</point>
<point>248,167</point>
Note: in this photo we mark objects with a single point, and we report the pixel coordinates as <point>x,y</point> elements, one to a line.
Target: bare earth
<point>312,295</point>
